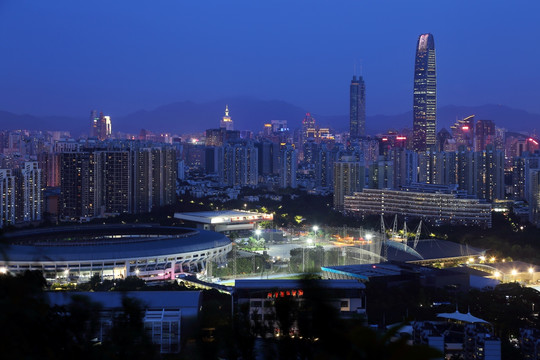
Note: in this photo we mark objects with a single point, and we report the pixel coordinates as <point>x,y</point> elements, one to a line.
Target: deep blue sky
<point>65,57</point>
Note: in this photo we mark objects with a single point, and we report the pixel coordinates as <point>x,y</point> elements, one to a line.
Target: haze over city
<point>63,58</point>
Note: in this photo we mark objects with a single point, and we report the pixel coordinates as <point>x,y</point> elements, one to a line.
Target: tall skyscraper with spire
<point>425,95</point>
<point>226,121</point>
<point>357,108</point>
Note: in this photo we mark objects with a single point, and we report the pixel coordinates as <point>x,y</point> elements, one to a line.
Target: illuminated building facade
<point>425,95</point>
<point>534,197</point>
<point>288,167</point>
<point>226,121</point>
<point>238,164</point>
<point>357,113</point>
<point>100,182</point>
<point>7,197</point>
<point>463,133</point>
<point>436,203</point>
<point>349,177</point>
<point>308,128</point>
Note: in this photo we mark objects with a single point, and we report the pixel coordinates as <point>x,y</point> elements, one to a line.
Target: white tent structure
<point>462,317</point>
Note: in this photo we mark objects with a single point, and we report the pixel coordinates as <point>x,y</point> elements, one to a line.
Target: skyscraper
<point>226,121</point>
<point>425,95</point>
<point>357,107</point>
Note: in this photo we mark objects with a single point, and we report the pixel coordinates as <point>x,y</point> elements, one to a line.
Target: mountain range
<point>250,114</point>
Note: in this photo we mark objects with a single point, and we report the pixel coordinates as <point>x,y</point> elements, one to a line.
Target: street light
<point>315,229</point>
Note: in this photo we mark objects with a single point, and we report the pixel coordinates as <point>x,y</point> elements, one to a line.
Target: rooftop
<point>224,216</point>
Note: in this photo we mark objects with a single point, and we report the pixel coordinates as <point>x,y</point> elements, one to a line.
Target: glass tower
<point>358,108</point>
<point>425,95</point>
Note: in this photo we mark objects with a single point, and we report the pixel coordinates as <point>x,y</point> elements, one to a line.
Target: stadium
<point>76,253</point>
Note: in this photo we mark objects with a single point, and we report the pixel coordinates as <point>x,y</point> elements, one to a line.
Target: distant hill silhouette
<point>251,114</point>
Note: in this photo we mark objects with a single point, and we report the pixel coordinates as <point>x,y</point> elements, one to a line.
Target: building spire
<point>226,110</point>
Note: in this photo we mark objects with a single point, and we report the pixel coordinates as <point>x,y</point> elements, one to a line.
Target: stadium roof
<point>78,244</point>
<point>433,249</point>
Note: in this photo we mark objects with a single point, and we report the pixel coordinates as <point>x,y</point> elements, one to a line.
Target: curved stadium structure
<point>76,253</point>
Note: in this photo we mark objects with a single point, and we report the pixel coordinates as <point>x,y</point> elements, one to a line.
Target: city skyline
<point>188,56</point>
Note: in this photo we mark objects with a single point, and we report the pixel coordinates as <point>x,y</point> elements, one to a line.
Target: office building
<point>100,126</point>
<point>357,110</point>
<point>425,95</point>
<point>259,297</point>
<point>463,133</point>
<point>226,122</point>
<point>308,128</point>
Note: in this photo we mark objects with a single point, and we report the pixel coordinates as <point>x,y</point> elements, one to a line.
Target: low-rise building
<point>259,297</point>
<point>224,221</point>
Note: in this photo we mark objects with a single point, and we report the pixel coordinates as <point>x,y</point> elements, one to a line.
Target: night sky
<point>65,57</point>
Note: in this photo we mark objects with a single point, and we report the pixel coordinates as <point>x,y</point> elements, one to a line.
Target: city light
<point>315,228</point>
<point>531,270</point>
<point>369,236</point>
<point>258,232</point>
<point>482,258</point>
<point>514,272</point>
<point>3,270</point>
<point>497,274</point>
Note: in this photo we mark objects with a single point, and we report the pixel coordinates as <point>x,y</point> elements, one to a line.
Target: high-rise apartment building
<point>7,197</point>
<point>287,167</point>
<point>534,197</point>
<point>357,99</point>
<point>238,164</point>
<point>125,178</point>
<point>349,177</point>
<point>425,95</point>
<point>29,192</point>
<point>77,185</point>
<point>484,134</point>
